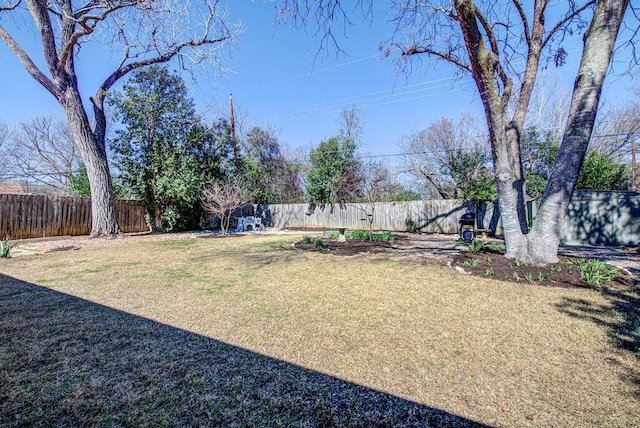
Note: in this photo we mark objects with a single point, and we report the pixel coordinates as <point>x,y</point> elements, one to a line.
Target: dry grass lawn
<point>248,331</point>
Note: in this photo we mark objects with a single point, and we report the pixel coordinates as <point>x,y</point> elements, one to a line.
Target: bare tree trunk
<point>503,133</point>
<point>103,216</point>
<point>599,42</point>
<point>510,189</point>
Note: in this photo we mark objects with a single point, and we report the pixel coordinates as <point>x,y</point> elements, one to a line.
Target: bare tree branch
<point>222,199</point>
<point>568,18</point>
<point>28,63</point>
<point>87,23</point>
<point>525,22</point>
<point>38,10</point>
<point>10,6</point>
<point>442,55</point>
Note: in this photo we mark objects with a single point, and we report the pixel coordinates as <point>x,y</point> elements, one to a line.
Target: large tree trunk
<point>103,216</point>
<point>599,42</point>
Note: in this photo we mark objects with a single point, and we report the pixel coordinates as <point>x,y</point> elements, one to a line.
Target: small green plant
<point>528,277</point>
<point>541,277</point>
<point>489,272</point>
<point>4,249</point>
<point>516,276</point>
<point>597,273</point>
<point>554,268</point>
<point>411,225</point>
<point>363,234</point>
<point>489,261</point>
<point>319,244</point>
<point>306,240</point>
<point>520,263</point>
<point>475,261</point>
<point>476,245</point>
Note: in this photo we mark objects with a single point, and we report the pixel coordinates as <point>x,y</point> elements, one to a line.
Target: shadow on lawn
<point>68,361</point>
<point>621,318</point>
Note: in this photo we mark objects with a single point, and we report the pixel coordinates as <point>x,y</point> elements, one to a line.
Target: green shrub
<point>411,225</point>
<point>4,249</point>
<point>357,234</point>
<point>306,240</point>
<point>477,245</point>
<point>319,244</point>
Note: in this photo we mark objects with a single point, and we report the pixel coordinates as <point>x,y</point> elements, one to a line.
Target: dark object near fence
<point>468,226</point>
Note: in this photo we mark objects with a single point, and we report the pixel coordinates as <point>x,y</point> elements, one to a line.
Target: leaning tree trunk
<point>103,216</point>
<point>599,42</point>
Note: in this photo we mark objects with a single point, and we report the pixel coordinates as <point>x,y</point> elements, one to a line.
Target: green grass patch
<point>97,269</point>
<point>178,273</point>
<point>181,244</point>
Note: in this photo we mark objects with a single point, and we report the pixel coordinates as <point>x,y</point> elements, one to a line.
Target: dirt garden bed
<point>570,271</point>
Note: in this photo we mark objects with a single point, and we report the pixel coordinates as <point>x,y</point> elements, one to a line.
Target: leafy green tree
<point>79,183</point>
<point>334,176</point>
<point>601,172</point>
<point>165,154</point>
<point>539,153</point>
<point>470,175</point>
<point>268,176</point>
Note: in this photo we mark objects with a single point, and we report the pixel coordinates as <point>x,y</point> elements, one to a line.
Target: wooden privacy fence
<point>593,217</point>
<point>37,216</point>
<point>602,218</point>
<point>432,216</point>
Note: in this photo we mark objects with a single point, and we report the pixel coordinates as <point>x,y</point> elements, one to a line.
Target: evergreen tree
<point>334,176</point>
<point>268,176</point>
<point>165,154</point>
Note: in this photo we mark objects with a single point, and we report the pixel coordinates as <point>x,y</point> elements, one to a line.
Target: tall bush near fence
<point>38,216</point>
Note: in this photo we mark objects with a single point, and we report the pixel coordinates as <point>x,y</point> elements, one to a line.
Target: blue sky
<point>278,80</point>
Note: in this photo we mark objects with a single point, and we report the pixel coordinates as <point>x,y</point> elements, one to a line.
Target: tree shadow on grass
<point>621,318</point>
<point>65,361</point>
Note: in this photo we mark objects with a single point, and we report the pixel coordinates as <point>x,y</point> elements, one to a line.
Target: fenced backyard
<point>593,218</point>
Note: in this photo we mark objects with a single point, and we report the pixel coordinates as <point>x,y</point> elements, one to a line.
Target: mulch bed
<point>350,247</point>
<point>489,264</point>
<point>562,274</point>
